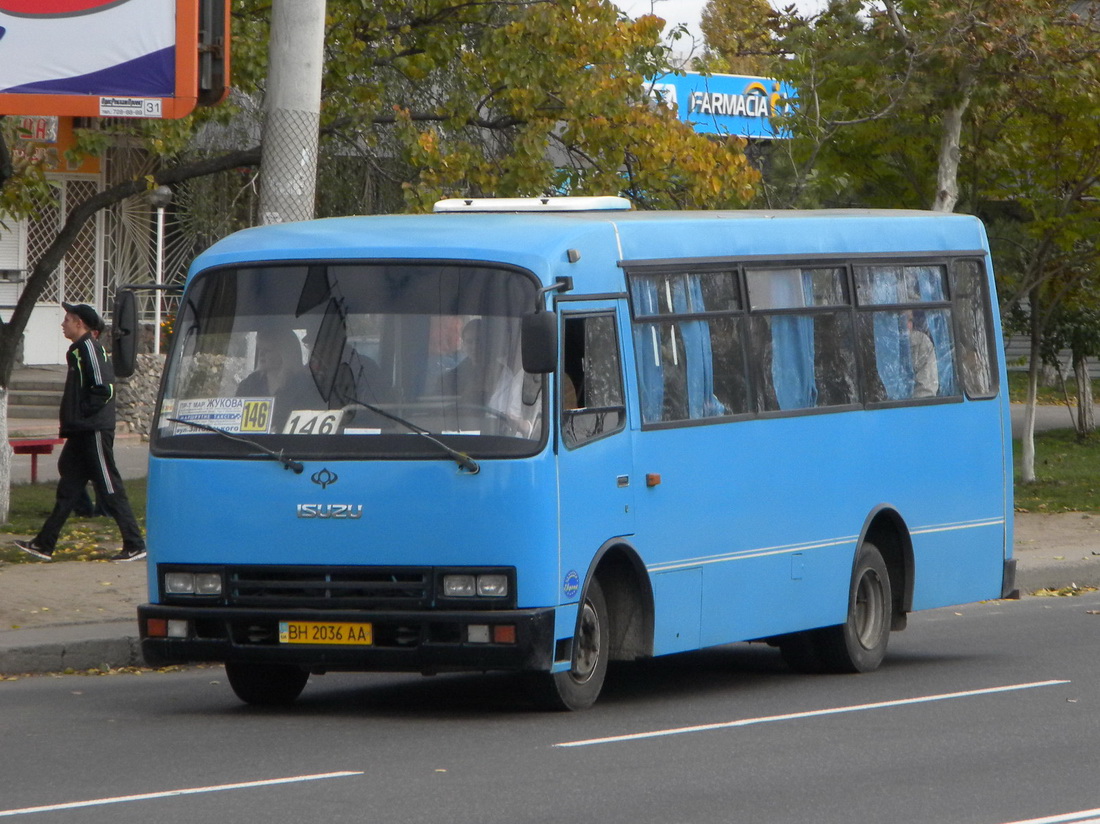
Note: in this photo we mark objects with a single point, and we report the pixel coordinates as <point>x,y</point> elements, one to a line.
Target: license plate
<point>324,632</point>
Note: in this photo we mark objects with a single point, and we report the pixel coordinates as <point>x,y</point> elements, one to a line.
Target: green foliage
<point>447,98</point>
<point>737,37</point>
<point>882,85</point>
<point>32,192</point>
<point>1047,395</point>
<point>444,98</point>
<point>1066,477</point>
<point>526,99</point>
<point>82,539</point>
<point>877,81</point>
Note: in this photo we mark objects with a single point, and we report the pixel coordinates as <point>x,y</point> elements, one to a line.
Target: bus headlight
<point>484,585</point>
<point>492,586</point>
<point>192,583</point>
<point>459,586</point>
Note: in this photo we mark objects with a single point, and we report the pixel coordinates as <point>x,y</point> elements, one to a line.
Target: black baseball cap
<point>87,314</point>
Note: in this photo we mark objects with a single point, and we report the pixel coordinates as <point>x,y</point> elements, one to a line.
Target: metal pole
<point>292,106</point>
<point>160,197</point>
<point>159,279</point>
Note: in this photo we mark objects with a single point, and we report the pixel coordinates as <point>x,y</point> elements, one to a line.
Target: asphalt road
<point>985,714</point>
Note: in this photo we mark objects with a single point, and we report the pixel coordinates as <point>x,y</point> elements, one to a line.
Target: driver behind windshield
<point>281,375</point>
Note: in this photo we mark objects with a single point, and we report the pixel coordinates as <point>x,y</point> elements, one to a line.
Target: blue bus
<point>541,435</point>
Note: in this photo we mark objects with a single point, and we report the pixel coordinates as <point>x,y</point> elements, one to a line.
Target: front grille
<point>330,587</point>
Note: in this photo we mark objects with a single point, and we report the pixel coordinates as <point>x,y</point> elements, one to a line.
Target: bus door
<point>596,481</point>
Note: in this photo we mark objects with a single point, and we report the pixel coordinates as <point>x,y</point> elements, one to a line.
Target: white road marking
<point>96,802</point>
<point>748,722</point>
<point>1082,817</point>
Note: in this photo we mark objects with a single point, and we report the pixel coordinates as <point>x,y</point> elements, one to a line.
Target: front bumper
<point>403,641</point>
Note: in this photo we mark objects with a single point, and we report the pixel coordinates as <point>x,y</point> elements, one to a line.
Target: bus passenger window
<point>909,347</point>
<point>975,353</point>
<point>805,358</point>
<point>922,356</point>
<point>834,361</point>
<point>803,361</point>
<point>688,343</point>
<point>591,385</point>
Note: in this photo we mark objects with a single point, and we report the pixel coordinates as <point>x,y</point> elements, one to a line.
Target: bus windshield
<point>367,354</point>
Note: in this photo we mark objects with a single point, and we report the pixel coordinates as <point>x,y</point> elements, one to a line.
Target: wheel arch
<point>629,596</point>
<point>887,530</point>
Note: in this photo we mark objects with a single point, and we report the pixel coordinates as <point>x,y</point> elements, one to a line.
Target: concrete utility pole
<point>288,164</point>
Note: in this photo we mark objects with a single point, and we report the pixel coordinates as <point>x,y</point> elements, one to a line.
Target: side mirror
<point>125,343</point>
<point>539,334</point>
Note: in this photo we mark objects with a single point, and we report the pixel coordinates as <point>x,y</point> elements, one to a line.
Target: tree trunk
<point>12,330</point>
<point>1086,421</point>
<point>1027,437</point>
<point>947,170</point>
<point>6,456</point>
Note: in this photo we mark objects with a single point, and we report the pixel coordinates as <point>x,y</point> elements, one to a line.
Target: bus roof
<point>557,243</point>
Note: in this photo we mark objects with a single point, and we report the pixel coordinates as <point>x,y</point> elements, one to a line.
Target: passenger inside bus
<point>494,382</point>
<point>280,374</point>
<point>926,379</point>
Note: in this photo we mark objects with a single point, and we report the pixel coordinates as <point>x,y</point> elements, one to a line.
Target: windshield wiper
<point>463,460</point>
<point>285,460</point>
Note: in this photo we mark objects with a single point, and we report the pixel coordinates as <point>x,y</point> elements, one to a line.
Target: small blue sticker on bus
<point>572,584</point>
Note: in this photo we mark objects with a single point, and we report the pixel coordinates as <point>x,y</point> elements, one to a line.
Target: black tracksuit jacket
<point>88,402</point>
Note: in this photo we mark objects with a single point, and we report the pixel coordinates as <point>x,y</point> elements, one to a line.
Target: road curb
<point>78,647</point>
<point>1059,575</point>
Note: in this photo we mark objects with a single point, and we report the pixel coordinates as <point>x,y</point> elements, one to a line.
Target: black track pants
<point>89,456</point>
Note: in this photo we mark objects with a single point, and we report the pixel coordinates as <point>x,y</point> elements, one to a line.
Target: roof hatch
<point>533,204</point>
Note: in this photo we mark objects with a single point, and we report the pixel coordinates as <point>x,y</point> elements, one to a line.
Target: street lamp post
<point>160,197</point>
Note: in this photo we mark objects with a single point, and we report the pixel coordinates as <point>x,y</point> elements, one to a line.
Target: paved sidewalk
<point>71,614</point>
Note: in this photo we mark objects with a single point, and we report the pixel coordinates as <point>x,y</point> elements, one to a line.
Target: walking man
<point>88,424</point>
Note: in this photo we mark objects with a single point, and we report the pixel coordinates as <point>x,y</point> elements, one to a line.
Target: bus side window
<point>688,342</point>
<point>908,344</point>
<point>805,351</point>
<point>975,355</point>
<point>591,384</point>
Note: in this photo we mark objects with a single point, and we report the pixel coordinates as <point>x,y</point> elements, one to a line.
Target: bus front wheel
<point>266,685</point>
<point>578,687</point>
<point>859,644</point>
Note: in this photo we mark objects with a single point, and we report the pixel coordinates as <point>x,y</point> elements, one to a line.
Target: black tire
<point>266,685</point>
<point>578,687</point>
<point>859,644</point>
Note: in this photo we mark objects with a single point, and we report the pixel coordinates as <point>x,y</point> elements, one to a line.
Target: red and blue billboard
<point>726,104</point>
<point>107,58</point>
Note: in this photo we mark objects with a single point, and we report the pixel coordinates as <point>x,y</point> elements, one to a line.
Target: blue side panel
<point>772,511</point>
<point>679,598</point>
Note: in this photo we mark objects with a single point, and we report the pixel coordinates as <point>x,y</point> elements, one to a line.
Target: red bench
<point>34,447</point>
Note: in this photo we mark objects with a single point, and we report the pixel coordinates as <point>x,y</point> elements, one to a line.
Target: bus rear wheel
<point>859,644</point>
<point>266,685</point>
<point>578,687</point>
